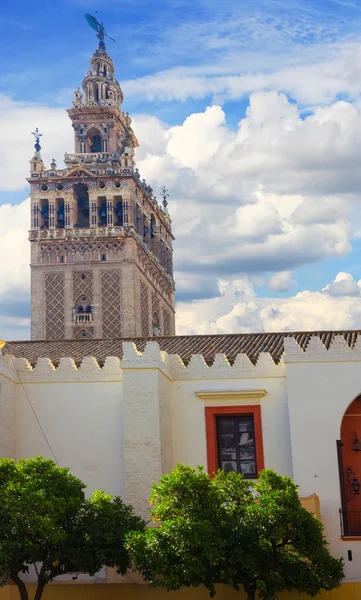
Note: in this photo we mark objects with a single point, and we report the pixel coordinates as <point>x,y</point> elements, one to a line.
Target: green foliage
<point>46,521</point>
<point>220,530</point>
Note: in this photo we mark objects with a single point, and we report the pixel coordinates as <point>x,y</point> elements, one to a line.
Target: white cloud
<point>343,285</point>
<point>280,281</point>
<point>14,248</point>
<point>238,309</point>
<point>15,272</point>
<point>277,193</point>
<point>313,74</point>
<point>17,121</point>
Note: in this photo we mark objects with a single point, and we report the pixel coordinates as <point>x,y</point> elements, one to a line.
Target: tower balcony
<point>86,157</point>
<point>99,160</point>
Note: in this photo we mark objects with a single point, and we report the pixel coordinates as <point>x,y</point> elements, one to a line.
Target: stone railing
<point>84,318</point>
<point>85,157</point>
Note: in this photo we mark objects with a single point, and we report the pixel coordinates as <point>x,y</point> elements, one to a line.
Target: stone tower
<point>101,246</point>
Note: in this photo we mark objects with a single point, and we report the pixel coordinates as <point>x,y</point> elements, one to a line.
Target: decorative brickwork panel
<point>83,333</point>
<point>144,308</point>
<point>82,286</point>
<point>54,306</point>
<point>111,308</point>
<point>166,322</point>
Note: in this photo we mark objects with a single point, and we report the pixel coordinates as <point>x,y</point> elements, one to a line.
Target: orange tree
<point>47,523</point>
<point>226,530</point>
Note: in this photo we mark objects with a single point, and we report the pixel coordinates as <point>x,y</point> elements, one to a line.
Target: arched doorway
<point>349,454</point>
<point>82,196</point>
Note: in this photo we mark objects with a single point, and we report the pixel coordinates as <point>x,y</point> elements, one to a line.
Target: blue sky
<point>174,59</point>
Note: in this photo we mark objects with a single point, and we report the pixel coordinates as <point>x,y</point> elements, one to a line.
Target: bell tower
<point>101,245</point>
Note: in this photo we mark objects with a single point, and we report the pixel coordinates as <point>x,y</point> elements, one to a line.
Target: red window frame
<point>212,412</point>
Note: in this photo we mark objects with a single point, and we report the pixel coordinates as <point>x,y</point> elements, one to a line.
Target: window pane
<point>247,451</point>
<point>236,445</point>
<point>227,443</point>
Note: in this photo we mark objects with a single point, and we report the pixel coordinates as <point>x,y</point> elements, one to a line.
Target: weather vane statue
<point>99,28</point>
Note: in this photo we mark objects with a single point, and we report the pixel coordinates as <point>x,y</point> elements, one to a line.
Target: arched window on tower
<point>60,213</point>
<point>153,238</point>
<point>96,144</point>
<point>94,140</point>
<point>44,214</point>
<point>118,211</point>
<point>103,212</point>
<point>156,325</point>
<point>83,311</point>
<point>82,197</point>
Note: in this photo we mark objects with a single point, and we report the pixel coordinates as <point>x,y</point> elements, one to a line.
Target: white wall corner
<point>315,351</point>
<point>152,353</point>
<point>151,358</point>
<point>130,352</point>
<point>292,350</point>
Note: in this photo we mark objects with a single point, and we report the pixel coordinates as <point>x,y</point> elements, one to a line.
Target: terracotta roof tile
<point>184,345</point>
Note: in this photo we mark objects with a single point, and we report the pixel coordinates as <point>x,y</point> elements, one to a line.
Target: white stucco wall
<point>119,428</point>
<point>83,424</point>
<point>188,418</point>
<point>320,387</point>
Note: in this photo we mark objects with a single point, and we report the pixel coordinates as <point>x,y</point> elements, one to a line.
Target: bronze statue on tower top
<point>99,28</point>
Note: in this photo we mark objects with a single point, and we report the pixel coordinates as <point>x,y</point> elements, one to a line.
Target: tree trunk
<point>39,590</point>
<point>21,586</point>
<point>250,589</point>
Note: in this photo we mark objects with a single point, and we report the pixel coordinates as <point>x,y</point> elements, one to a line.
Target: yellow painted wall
<point>348,591</point>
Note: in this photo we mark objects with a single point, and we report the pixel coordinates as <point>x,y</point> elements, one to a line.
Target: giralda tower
<point>101,245</point>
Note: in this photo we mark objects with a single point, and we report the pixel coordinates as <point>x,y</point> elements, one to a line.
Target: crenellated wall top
<point>316,351</point>
<point>175,367</point>
<point>19,369</point>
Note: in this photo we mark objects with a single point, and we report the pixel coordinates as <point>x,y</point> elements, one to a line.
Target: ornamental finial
<point>165,195</point>
<point>37,135</point>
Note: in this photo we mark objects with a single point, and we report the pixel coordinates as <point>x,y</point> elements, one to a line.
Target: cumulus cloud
<point>280,281</point>
<point>275,194</point>
<point>343,285</point>
<point>238,309</point>
<point>314,74</point>
<point>278,192</point>
<point>17,121</point>
<point>15,272</point>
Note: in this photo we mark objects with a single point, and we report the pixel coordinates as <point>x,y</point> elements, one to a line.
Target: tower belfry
<point>101,245</point>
